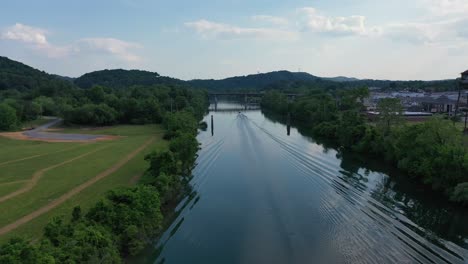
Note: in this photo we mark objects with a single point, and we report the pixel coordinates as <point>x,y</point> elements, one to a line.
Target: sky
<point>213,39</point>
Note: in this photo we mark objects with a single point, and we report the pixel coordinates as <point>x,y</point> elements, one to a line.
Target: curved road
<point>39,133</point>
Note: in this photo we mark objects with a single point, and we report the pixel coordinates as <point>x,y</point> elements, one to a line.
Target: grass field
<point>34,175</point>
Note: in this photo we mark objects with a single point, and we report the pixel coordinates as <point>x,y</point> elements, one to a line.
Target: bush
<point>92,114</point>
<point>8,119</point>
<point>460,193</point>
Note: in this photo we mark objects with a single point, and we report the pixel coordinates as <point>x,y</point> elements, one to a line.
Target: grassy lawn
<point>28,157</point>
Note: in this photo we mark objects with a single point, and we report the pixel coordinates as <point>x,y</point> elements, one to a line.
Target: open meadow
<point>42,180</point>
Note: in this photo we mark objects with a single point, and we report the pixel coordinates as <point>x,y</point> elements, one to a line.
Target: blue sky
<point>399,39</point>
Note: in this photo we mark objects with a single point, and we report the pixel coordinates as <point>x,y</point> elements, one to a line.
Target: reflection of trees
<point>419,203</point>
<point>426,208</point>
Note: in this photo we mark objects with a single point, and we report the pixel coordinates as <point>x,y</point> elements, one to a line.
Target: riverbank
<point>263,196</point>
<point>432,152</point>
<point>126,220</point>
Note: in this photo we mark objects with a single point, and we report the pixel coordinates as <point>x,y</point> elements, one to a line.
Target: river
<point>261,196</point>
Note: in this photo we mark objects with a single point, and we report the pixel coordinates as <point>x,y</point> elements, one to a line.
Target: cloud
<point>112,46</point>
<point>26,34</point>
<point>448,32</point>
<point>274,20</point>
<point>350,25</point>
<point>212,29</point>
<point>36,39</point>
<point>447,7</point>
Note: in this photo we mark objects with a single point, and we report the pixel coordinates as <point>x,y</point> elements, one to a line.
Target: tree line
<point>432,152</point>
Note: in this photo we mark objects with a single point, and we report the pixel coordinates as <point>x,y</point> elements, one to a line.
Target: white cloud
<point>447,7</point>
<point>274,20</point>
<point>212,29</point>
<point>350,25</point>
<point>36,39</point>
<point>441,32</point>
<point>26,34</point>
<point>119,48</point>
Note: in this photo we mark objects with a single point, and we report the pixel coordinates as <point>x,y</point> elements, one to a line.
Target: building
<point>464,76</point>
<point>442,104</point>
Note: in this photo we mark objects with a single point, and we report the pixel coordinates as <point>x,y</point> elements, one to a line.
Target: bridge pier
<point>212,126</point>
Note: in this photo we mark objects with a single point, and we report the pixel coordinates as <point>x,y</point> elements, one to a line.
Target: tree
<point>20,251</point>
<point>390,113</point>
<point>185,147</point>
<point>8,119</point>
<point>96,94</point>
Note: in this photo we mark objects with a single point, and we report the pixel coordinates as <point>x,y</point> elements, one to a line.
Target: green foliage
<point>179,122</point>
<point>82,242</point>
<point>131,214</point>
<point>432,152</point>
<point>19,251</point>
<point>460,193</point>
<point>20,77</point>
<point>185,146</point>
<point>122,79</point>
<point>8,119</point>
<point>390,113</point>
<point>91,114</point>
<point>127,219</point>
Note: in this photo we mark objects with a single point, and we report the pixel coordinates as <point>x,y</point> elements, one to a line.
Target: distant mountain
<point>18,76</point>
<point>120,79</point>
<point>341,79</point>
<point>254,81</point>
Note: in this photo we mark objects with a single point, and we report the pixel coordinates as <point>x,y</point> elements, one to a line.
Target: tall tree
<point>390,113</point>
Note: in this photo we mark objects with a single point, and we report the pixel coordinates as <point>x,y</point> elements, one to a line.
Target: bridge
<point>246,96</point>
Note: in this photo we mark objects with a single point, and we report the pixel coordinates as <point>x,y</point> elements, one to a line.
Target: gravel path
<point>38,133</point>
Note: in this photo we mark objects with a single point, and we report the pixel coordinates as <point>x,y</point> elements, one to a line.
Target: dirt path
<point>38,175</point>
<point>13,182</point>
<point>25,219</point>
<point>40,134</point>
<point>39,155</point>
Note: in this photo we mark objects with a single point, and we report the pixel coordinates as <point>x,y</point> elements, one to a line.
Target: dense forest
<point>287,80</point>
<point>121,79</point>
<point>431,152</point>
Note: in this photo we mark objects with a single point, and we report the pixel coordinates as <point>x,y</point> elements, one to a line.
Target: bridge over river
<point>249,100</point>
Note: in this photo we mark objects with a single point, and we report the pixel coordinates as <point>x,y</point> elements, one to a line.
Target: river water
<point>261,196</point>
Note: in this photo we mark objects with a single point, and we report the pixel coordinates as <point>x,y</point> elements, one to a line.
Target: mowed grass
<point>59,180</point>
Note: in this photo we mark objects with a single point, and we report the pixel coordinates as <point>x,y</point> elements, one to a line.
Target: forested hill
<point>254,81</point>
<point>120,79</point>
<point>18,76</point>
<point>285,80</point>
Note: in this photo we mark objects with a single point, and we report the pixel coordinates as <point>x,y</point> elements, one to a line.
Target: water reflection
<point>276,197</point>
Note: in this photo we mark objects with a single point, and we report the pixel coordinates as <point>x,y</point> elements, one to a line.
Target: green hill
<point>120,79</point>
<point>254,81</point>
<point>18,76</point>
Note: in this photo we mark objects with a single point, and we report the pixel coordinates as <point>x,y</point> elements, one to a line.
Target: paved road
<point>39,133</point>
